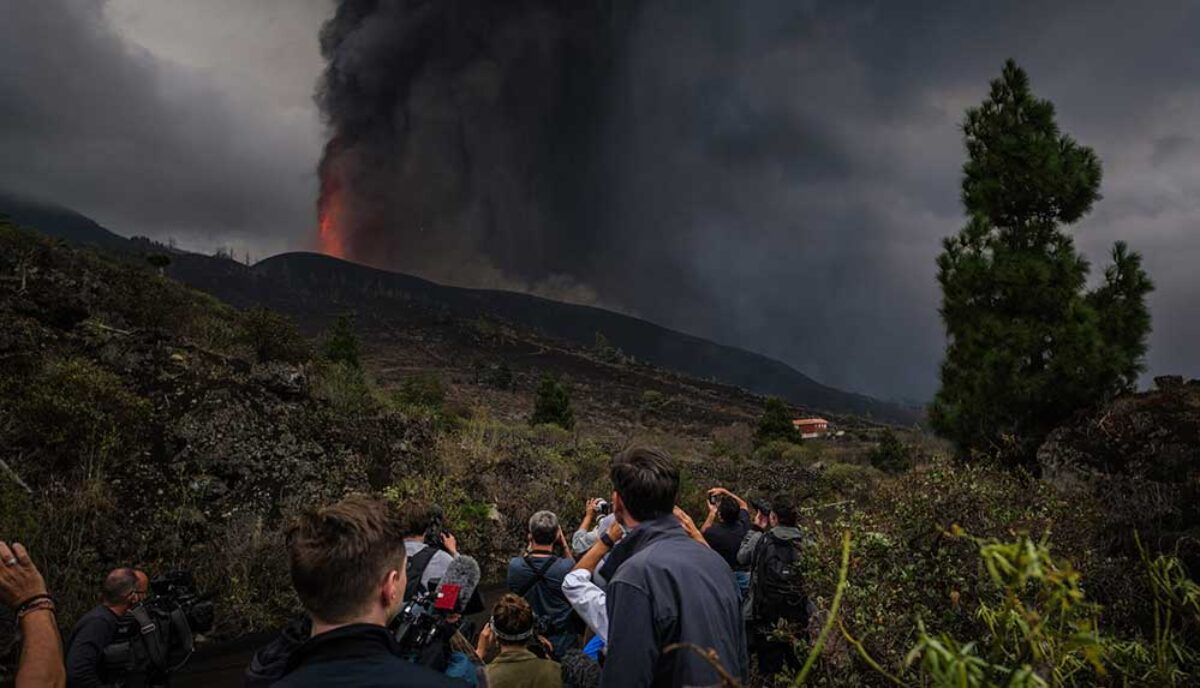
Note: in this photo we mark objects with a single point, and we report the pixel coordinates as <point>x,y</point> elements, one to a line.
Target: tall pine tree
<point>1027,346</point>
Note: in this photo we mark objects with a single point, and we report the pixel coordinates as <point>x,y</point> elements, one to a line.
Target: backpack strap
<point>539,573</point>
<point>414,569</point>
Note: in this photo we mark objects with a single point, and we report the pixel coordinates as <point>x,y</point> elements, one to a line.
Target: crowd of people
<point>637,596</point>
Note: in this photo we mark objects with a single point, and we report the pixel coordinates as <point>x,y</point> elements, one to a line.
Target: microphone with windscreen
<point>457,587</point>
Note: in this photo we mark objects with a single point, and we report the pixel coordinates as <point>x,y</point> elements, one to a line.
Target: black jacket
<point>85,650</point>
<point>363,655</point>
<point>671,589</point>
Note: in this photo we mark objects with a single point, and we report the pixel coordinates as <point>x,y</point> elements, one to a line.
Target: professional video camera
<point>159,635</point>
<point>423,628</point>
<point>176,591</point>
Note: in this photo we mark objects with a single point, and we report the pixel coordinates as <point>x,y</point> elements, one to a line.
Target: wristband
<point>36,604</point>
<point>608,542</point>
<point>30,600</point>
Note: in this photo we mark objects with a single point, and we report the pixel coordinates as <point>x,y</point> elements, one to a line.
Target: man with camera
<point>428,546</point>
<point>347,565</point>
<point>589,529</point>
<point>538,578</point>
<point>667,588</point>
<point>122,590</point>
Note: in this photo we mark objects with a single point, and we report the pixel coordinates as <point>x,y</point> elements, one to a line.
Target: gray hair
<point>543,528</point>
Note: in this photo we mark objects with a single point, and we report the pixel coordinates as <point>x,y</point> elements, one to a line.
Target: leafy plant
<point>552,404</point>
<point>341,345</point>
<point>775,424</point>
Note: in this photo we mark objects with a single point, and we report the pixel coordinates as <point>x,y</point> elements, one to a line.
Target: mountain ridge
<point>331,285</point>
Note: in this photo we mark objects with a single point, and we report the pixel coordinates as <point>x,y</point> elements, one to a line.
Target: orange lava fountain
<point>331,233</point>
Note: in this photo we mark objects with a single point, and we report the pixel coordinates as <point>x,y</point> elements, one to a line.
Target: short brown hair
<point>646,480</point>
<point>512,615</point>
<point>339,553</point>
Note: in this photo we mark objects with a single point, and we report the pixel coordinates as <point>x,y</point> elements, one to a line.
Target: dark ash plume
<point>462,137</point>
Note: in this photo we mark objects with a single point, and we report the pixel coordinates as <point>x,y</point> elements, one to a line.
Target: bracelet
<point>30,600</point>
<point>36,605</point>
<point>608,542</point>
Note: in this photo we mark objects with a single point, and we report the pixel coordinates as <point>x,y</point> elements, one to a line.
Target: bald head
<point>124,586</point>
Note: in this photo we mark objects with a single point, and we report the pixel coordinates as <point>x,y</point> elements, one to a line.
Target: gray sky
<point>810,151</point>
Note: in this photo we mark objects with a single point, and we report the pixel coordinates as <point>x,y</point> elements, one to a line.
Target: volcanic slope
<point>460,327</point>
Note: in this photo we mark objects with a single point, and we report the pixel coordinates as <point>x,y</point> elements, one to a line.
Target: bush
<point>891,455</point>
<point>345,387</point>
<point>552,404</point>
<point>82,413</point>
<point>273,337</point>
<point>775,424</point>
<point>848,480</point>
<point>341,346</point>
<point>424,390</point>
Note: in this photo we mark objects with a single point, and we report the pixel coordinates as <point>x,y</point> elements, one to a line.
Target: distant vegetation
<point>775,424</point>
<point>552,404</point>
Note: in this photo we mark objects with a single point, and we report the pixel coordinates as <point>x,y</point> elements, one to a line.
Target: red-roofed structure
<point>810,428</point>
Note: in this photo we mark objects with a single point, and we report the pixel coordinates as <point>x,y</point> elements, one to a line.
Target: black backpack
<point>778,580</point>
<point>414,568</point>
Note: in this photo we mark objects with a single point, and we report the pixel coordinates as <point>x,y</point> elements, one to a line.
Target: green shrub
<point>273,336</point>
<point>891,455</point>
<point>424,389</point>
<point>775,424</point>
<point>552,404</point>
<point>345,387</point>
<point>849,480</point>
<point>341,345</point>
<point>81,413</point>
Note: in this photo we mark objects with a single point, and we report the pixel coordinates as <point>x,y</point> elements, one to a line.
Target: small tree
<point>891,455</point>
<point>775,424</point>
<point>341,346</point>
<point>273,336</point>
<point>552,404</point>
<point>159,261</point>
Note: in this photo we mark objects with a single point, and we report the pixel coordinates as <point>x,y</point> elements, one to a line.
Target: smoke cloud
<point>775,175</point>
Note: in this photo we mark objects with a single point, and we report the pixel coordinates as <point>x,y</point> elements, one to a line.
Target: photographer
<point>24,591</point>
<point>522,661</point>
<point>122,590</point>
<point>429,547</point>
<point>538,578</point>
<point>589,530</point>
<point>347,565</point>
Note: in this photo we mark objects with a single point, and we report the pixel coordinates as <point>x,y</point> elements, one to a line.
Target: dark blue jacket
<point>671,589</point>
<point>362,655</point>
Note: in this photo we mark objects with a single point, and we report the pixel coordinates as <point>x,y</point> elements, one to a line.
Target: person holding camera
<point>726,526</point>
<point>538,578</point>
<point>521,662</point>
<point>667,588</point>
<point>429,548</point>
<point>122,590</point>
<point>23,590</point>
<point>347,564</point>
<point>589,529</point>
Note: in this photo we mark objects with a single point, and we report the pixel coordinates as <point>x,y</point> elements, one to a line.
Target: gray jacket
<point>745,557</point>
<point>671,589</point>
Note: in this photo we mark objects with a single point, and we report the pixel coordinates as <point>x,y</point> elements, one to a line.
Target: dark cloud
<point>90,119</point>
<point>775,174</point>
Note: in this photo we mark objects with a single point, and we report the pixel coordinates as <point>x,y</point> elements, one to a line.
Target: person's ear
<point>393,587</point>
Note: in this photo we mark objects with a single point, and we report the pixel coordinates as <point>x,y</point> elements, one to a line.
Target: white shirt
<point>588,600</point>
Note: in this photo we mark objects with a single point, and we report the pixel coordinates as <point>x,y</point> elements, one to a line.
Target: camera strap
<point>156,650</point>
<point>539,573</point>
